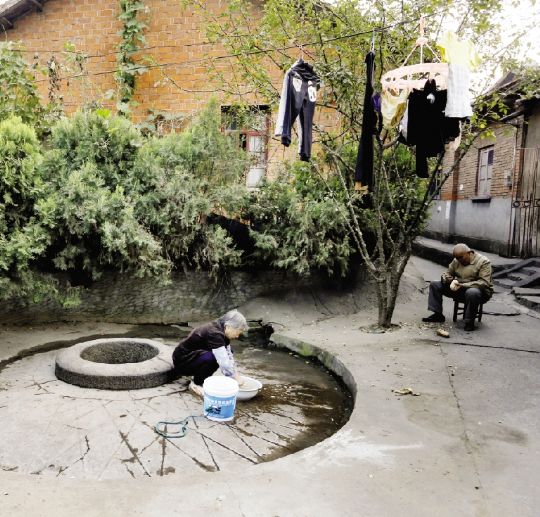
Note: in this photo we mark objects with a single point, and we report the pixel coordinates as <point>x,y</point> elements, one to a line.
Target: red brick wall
<point>462,183</point>
<point>92,26</point>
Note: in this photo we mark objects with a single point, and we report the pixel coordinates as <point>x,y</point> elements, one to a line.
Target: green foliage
<point>96,227</point>
<point>100,197</point>
<point>109,142</point>
<point>298,226</point>
<point>22,238</point>
<point>18,91</point>
<point>180,180</point>
<point>20,154</point>
<point>207,153</point>
<point>86,206</point>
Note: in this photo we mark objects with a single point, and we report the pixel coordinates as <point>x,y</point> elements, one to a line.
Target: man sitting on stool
<point>468,280</point>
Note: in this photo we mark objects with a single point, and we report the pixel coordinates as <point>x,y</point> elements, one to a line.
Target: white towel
<point>458,103</point>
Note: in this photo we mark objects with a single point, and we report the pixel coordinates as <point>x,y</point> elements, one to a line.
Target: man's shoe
<point>469,327</point>
<point>195,388</point>
<point>436,317</point>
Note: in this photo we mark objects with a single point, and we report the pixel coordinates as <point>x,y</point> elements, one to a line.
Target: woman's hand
<point>239,379</point>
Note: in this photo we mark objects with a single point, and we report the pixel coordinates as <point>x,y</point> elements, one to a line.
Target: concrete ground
<point>467,445</point>
<point>98,434</point>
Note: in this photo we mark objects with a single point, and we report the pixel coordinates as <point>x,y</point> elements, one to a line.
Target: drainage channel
<point>51,428</point>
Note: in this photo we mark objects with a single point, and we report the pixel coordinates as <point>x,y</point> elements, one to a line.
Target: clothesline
<point>299,45</point>
<point>430,109</point>
<point>251,52</point>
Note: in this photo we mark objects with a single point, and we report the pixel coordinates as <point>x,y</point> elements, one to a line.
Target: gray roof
<point>11,10</point>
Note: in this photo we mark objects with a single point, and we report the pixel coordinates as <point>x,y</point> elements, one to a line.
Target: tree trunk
<point>388,288</point>
<point>381,300</point>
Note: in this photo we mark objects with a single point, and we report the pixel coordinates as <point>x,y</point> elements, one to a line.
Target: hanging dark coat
<point>364,161</point>
<point>427,127</point>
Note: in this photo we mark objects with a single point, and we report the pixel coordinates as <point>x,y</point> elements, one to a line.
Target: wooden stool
<point>459,310</point>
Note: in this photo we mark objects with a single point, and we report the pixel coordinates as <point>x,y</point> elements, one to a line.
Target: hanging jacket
<point>299,95</point>
<point>363,172</point>
<point>427,127</point>
<point>283,101</point>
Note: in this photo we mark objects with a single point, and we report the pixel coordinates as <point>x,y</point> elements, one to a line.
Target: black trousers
<point>201,367</point>
<point>471,296</point>
<point>363,171</point>
<point>301,98</point>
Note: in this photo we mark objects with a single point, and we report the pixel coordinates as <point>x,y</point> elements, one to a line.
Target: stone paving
<point>467,445</point>
<point>54,429</point>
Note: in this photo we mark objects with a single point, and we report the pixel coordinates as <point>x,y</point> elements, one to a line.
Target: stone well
<point>116,364</point>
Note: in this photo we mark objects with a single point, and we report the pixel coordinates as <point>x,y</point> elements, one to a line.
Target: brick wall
<point>178,34</point>
<point>90,25</point>
<point>462,183</point>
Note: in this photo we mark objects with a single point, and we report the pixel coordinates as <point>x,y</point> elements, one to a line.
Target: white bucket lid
<point>220,386</point>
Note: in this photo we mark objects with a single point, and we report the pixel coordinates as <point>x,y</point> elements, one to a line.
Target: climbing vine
<point>18,91</point>
<point>54,94</point>
<point>132,39</point>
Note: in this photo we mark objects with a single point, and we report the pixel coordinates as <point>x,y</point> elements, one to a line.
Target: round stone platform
<point>52,429</point>
<point>116,364</point>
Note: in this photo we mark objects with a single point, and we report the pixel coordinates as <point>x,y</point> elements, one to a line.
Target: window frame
<point>248,132</point>
<point>484,190</point>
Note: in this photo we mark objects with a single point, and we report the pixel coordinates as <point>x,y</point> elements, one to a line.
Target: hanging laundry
<point>461,57</point>
<point>427,127</point>
<point>283,101</point>
<point>298,98</point>
<point>404,124</point>
<point>393,107</point>
<point>363,173</point>
<point>377,106</point>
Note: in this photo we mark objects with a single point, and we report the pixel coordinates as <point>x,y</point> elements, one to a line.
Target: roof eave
<point>15,9</point>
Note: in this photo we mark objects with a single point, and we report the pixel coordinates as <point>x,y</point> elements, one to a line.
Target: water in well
<point>51,428</point>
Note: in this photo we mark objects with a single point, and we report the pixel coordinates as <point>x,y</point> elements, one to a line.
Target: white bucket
<point>220,398</point>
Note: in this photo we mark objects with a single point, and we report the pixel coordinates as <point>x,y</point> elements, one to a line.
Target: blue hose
<point>161,427</point>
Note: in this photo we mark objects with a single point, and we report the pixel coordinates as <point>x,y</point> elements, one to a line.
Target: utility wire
<point>202,43</point>
<point>247,53</point>
<point>89,56</point>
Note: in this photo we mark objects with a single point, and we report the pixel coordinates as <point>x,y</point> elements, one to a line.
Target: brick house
<point>175,36</point>
<point>492,200</point>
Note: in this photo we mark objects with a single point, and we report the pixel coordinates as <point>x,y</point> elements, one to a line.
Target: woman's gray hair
<point>235,320</point>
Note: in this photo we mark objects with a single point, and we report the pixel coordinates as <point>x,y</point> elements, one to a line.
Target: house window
<point>251,125</point>
<point>485,168</point>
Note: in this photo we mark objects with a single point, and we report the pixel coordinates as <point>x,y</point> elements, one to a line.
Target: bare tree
<point>383,222</point>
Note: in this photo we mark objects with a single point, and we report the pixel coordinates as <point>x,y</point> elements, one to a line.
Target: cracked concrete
<point>83,433</point>
<point>467,446</point>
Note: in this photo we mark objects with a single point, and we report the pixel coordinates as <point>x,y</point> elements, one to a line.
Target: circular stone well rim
<point>101,353</point>
<point>72,368</point>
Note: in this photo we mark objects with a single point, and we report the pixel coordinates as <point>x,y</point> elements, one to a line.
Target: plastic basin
<point>249,389</point>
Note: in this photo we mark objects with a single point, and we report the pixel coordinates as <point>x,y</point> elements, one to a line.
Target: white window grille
<point>252,127</point>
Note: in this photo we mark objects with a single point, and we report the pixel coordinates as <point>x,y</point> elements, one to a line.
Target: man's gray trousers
<point>471,296</point>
